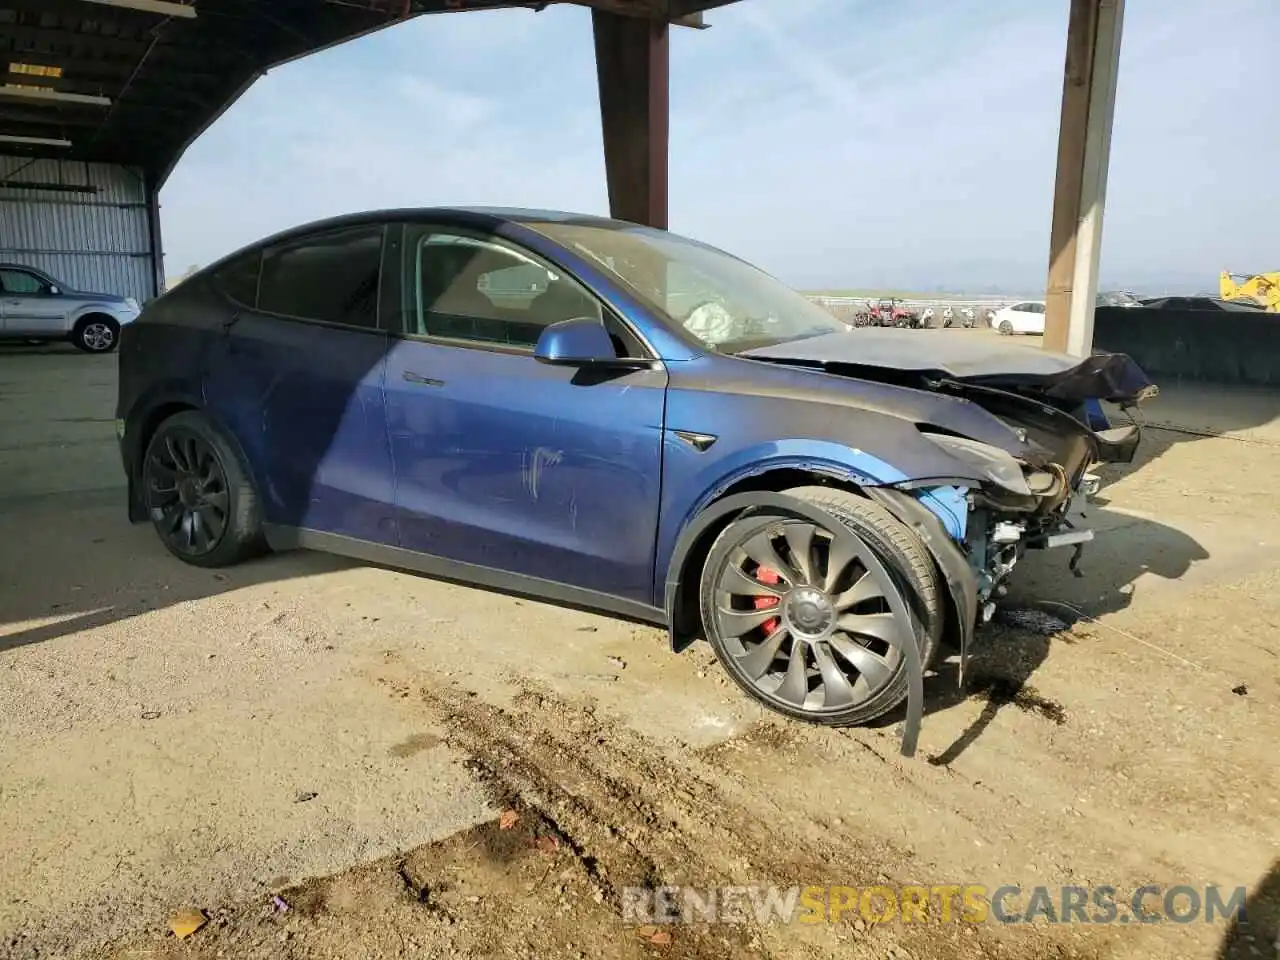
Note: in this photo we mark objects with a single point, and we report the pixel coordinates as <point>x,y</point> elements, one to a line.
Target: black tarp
<point>1234,347</point>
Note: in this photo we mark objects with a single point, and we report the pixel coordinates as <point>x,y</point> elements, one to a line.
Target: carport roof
<point>136,81</point>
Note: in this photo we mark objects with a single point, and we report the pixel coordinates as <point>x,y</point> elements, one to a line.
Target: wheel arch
<point>716,511</point>
<point>144,427</point>
<point>766,488</point>
<point>92,312</point>
<point>713,519</point>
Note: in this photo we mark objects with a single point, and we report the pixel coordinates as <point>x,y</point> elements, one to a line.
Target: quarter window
<point>19,281</point>
<point>331,277</point>
<point>239,278</point>
<point>482,291</point>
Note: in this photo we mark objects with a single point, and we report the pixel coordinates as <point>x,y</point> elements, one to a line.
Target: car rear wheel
<point>801,623</point>
<point>96,334</point>
<point>198,493</point>
<point>1006,328</point>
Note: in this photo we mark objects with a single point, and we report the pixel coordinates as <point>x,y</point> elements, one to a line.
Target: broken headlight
<point>994,464</point>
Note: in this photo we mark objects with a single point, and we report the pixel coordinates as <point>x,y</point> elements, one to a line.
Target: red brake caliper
<point>766,575</point>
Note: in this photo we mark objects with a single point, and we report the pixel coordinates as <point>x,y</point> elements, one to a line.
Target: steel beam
<point>164,8</point>
<point>151,190</point>
<point>35,94</point>
<point>33,141</point>
<point>633,70</point>
<point>1084,151</point>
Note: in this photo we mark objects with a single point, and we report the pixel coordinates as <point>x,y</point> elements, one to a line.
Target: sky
<point>905,144</point>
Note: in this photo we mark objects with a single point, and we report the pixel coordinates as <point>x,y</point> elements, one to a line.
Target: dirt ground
<point>336,761</point>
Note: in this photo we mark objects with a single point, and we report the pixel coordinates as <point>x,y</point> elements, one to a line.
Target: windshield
<point>726,304</point>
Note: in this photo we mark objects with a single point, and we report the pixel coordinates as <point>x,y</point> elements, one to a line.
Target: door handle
<point>411,377</point>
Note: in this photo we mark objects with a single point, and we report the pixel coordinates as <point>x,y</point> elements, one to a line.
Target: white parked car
<point>1025,317</point>
<point>35,306</point>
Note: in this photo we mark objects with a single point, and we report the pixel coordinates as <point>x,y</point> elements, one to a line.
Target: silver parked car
<point>35,306</point>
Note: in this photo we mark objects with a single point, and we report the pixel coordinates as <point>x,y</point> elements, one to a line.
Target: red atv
<point>894,313</point>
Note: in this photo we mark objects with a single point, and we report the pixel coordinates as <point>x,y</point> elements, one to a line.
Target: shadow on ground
<point>87,567</point>
<point>1046,600</point>
<point>1259,934</point>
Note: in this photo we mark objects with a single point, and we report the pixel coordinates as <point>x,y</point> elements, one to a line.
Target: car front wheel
<point>96,334</point>
<point>799,620</point>
<point>1006,328</point>
<point>199,495</point>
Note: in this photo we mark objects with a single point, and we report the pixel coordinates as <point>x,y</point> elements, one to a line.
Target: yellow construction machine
<point>1260,288</point>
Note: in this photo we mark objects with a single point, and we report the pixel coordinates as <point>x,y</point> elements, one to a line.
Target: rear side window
<point>239,279</point>
<point>19,281</point>
<point>332,277</point>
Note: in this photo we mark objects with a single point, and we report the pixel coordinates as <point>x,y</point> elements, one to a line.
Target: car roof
<point>475,216</point>
<point>489,216</point>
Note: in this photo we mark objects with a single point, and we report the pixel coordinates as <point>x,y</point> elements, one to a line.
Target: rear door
<point>505,462</point>
<point>299,372</point>
<point>30,306</point>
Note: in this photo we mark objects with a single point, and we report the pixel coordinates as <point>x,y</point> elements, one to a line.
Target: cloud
<point>836,143</point>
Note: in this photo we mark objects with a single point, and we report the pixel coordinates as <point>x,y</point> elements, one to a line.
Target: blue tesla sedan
<point>602,414</point>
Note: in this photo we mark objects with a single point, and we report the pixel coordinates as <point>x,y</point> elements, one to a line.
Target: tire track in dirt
<point>640,814</point>
<point>593,807</point>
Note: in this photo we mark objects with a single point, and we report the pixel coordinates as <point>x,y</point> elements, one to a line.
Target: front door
<point>30,307</point>
<point>506,462</point>
<point>299,372</point>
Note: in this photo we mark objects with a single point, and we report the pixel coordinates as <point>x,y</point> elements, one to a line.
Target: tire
<point>191,457</point>
<point>913,576</point>
<point>1006,328</point>
<point>96,333</point>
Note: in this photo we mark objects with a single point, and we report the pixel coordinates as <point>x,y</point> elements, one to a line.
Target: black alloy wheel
<point>188,495</point>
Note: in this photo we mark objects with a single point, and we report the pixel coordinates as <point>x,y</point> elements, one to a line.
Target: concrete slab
<point>57,409</point>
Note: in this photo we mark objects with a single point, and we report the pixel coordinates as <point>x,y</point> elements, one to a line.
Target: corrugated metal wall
<point>98,241</point>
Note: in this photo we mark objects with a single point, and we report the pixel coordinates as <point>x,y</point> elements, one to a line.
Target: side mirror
<point>580,342</point>
<point>55,290</point>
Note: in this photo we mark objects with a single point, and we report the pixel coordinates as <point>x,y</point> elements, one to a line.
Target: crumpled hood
<point>970,358</point>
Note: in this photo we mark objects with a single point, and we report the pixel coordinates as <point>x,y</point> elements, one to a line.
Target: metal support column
<point>1084,151</point>
<point>633,69</point>
<point>152,194</point>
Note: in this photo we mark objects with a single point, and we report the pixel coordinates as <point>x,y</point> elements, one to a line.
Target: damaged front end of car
<point>1025,495</point>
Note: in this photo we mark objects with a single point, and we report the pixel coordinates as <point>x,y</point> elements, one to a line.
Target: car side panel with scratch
<point>533,469</point>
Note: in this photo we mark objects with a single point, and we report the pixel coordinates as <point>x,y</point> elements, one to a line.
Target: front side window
<point>486,292</point>
<point>726,304</point>
<point>331,277</point>
<point>19,281</point>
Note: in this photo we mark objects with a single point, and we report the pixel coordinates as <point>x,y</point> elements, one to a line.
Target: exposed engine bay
<point>1028,452</point>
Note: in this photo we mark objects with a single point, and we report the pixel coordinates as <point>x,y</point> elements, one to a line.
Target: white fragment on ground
<point>708,720</point>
